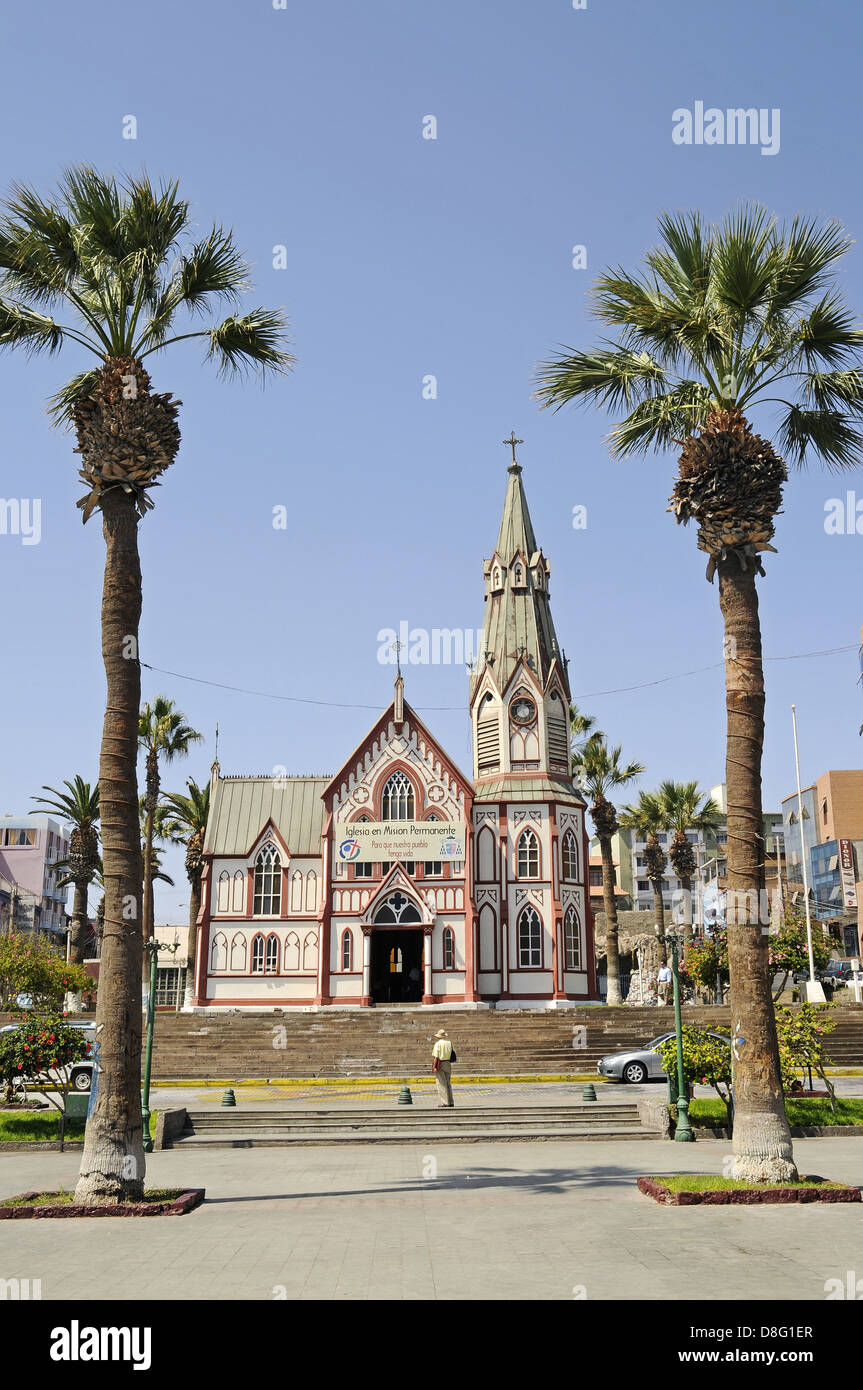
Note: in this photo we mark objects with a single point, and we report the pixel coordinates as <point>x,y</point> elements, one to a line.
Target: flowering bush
<point>705,1059</point>
<point>801,1034</point>
<point>28,965</point>
<point>40,1053</point>
<point>789,949</point>
<point>707,963</point>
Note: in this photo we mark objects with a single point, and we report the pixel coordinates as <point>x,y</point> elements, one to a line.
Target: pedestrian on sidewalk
<point>443,1056</point>
<point>663,981</point>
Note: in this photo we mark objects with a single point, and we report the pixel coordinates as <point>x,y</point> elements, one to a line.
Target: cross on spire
<point>512,441</point>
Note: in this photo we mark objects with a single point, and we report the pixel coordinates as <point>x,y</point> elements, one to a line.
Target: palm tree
<point>599,770</point>
<point>117,260</point>
<point>162,733</point>
<point>684,808</point>
<point>721,320</point>
<point>189,825</point>
<point>581,728</point>
<point>647,820</point>
<point>79,806</point>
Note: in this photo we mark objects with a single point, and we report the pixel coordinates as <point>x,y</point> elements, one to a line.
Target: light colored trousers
<point>442,1082</point>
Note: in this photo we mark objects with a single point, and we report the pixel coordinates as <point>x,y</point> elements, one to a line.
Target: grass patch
<point>64,1198</point>
<point>709,1182</point>
<point>43,1126</point>
<point>849,1111</point>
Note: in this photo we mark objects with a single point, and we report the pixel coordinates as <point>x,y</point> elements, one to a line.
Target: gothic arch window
<point>570,856</point>
<point>527,857</point>
<point>572,940</point>
<point>433,868</point>
<point>496,579</point>
<point>347,950</point>
<point>258,954</point>
<point>271,958</point>
<point>311,891</point>
<point>223,899</point>
<point>268,883</point>
<point>292,952</point>
<point>486,855</point>
<point>310,951</point>
<point>239,892</point>
<point>296,891</point>
<point>219,952</point>
<point>397,801</point>
<point>363,870</point>
<point>529,939</point>
<point>397,911</point>
<point>238,952</point>
<point>448,948</point>
<point>487,939</point>
<point>518,574</point>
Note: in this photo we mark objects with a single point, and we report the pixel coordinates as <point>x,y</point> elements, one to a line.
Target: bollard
<point>589,1092</point>
<point>229,1098</point>
<point>405,1097</point>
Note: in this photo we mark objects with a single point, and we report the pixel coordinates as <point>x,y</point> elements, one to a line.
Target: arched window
<point>272,955</point>
<point>310,951</point>
<point>258,955</point>
<point>570,856</point>
<point>572,939</point>
<point>292,952</point>
<point>518,574</point>
<point>529,939</point>
<point>496,580</point>
<point>239,892</point>
<point>268,883</point>
<point>238,952</point>
<point>223,903</point>
<point>397,801</point>
<point>448,948</point>
<point>397,911</point>
<point>219,952</point>
<point>347,950</point>
<point>296,891</point>
<point>311,891</point>
<point>363,870</point>
<point>433,868</point>
<point>528,855</point>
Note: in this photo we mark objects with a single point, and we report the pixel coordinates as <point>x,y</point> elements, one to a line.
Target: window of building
<point>397,801</point>
<point>268,883</point>
<point>570,856</point>
<point>258,955</point>
<point>170,986</point>
<point>448,948</point>
<point>596,878</point>
<point>272,956</point>
<point>529,939</point>
<point>571,940</point>
<point>433,868</point>
<point>643,885</point>
<point>528,855</point>
<point>347,950</point>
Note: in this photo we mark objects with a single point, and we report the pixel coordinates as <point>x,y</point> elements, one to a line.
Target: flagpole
<point>803,850</point>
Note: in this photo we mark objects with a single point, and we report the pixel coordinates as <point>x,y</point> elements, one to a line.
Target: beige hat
<point>441,1033</point>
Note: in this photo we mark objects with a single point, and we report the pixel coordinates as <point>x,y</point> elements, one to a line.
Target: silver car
<point>642,1063</point>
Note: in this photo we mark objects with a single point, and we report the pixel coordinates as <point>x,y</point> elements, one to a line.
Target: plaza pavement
<point>488,1221</point>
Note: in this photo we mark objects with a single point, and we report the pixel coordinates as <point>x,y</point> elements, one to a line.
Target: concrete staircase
<point>341,1043</point>
<point>465,1124</point>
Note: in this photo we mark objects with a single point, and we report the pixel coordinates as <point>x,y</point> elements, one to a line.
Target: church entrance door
<point>397,967</point>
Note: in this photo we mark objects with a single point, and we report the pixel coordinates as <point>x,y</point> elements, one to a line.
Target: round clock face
<point>523,710</point>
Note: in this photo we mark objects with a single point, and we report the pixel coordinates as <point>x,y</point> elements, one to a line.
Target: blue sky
<point>407,257</point>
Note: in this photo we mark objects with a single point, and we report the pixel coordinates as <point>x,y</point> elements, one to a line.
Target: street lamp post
<point>683,1131</point>
<point>154,947</point>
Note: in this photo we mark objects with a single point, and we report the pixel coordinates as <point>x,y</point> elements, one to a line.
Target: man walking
<point>664,981</point>
<point>442,1060</point>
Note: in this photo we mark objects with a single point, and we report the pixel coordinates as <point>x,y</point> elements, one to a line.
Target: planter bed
<point>38,1204</point>
<point>727,1194</point>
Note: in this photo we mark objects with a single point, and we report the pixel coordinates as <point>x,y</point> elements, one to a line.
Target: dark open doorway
<point>397,967</point>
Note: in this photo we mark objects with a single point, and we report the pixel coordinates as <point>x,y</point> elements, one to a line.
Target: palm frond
<point>662,421</point>
<point>610,376</point>
<point>24,327</point>
<point>61,406</point>
<point>253,341</point>
<point>829,333</point>
<point>834,436</point>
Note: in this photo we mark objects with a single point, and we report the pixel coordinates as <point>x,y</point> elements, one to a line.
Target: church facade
<point>400,880</point>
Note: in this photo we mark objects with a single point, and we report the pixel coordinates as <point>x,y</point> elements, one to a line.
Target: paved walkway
<point>408,1222</point>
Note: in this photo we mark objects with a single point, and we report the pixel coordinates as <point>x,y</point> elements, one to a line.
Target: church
<point>400,880</point>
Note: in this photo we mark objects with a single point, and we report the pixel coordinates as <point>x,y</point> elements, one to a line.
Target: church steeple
<point>518,623</point>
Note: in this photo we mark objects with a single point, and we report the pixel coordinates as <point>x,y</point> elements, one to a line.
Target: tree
<point>188,824</point>
<point>162,733</point>
<point>706,1059</point>
<point>789,948</point>
<point>801,1034</point>
<point>116,258</point>
<point>41,1051</point>
<point>721,320</point>
<point>647,819</point>
<point>28,965</point>
<point>600,770</point>
<point>684,808</point>
<point>79,806</point>
<point>707,963</point>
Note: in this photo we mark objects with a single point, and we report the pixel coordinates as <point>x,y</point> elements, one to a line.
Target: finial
<point>515,466</point>
<point>216,754</point>
<point>396,647</point>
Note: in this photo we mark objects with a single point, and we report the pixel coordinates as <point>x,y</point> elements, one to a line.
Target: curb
<point>574,1078</point>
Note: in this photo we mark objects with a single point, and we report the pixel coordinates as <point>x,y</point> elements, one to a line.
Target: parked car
<point>641,1063</point>
<point>81,1075</point>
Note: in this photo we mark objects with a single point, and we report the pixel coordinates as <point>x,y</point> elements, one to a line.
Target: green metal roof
<point>243,805</point>
<point>514,788</point>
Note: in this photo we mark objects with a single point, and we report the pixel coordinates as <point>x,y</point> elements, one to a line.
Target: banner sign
<point>369,842</point>
<point>846,868</point>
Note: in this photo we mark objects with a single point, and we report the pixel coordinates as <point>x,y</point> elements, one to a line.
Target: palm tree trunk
<point>612,953</point>
<point>194,909</point>
<point>659,918</point>
<point>112,1164</point>
<point>78,938</point>
<point>152,799</point>
<point>762,1140</point>
<point>686,884</point>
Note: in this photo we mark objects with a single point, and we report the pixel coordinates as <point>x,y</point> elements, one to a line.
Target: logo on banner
<point>349,850</point>
<point>450,849</point>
